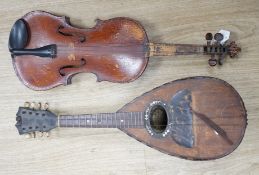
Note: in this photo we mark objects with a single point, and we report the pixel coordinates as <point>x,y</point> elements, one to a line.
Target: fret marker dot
<point>121,121</point>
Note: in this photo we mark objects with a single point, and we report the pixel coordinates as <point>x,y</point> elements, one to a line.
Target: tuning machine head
<point>45,106</point>
<point>36,134</point>
<point>36,106</point>
<point>35,120</point>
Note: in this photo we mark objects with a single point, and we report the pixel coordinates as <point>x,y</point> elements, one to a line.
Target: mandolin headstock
<point>34,117</point>
<point>218,46</point>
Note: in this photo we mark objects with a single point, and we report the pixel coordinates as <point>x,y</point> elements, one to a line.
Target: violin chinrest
<point>19,35</point>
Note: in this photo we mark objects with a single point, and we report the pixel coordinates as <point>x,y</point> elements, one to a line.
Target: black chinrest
<point>19,35</point>
<point>18,40</point>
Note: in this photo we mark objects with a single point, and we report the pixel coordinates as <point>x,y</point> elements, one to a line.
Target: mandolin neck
<point>158,49</point>
<point>103,120</point>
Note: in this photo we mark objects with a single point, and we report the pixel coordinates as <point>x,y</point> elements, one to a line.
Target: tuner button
<point>47,134</point>
<point>27,136</point>
<point>33,105</point>
<point>209,36</point>
<point>218,37</point>
<point>45,106</point>
<point>39,105</point>
<point>33,135</point>
<point>212,62</point>
<point>27,104</point>
<point>40,134</point>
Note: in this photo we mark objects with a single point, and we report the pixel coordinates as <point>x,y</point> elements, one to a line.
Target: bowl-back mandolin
<point>47,50</point>
<point>197,118</point>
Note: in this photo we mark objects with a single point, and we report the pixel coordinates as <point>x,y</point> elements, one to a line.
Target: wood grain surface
<point>109,151</point>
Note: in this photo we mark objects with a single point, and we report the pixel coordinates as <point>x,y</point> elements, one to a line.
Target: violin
<point>48,51</point>
<point>197,118</point>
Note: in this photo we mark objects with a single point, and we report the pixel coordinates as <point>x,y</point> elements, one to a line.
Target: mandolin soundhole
<point>158,119</point>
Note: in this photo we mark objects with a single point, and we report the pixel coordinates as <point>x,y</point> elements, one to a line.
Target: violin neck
<point>103,120</point>
<point>159,49</point>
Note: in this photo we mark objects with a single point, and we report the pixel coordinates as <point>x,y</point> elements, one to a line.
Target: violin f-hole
<point>80,37</point>
<point>62,69</point>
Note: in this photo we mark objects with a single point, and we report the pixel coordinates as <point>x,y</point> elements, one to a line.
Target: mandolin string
<point>103,114</point>
<point>125,121</point>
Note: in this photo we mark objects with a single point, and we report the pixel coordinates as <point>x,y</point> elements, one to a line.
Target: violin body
<point>48,51</point>
<point>114,50</point>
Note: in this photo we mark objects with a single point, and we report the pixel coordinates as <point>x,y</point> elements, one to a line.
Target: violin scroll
<point>233,49</point>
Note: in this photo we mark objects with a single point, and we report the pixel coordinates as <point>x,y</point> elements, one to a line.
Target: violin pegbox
<point>219,46</point>
<point>34,119</point>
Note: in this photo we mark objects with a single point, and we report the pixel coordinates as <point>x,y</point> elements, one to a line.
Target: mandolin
<point>48,51</point>
<point>197,118</point>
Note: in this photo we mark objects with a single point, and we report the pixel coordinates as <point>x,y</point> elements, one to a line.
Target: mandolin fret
<point>103,120</point>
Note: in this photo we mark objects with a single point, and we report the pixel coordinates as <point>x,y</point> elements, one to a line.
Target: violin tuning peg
<point>209,36</point>
<point>218,37</point>
<point>226,35</point>
<point>221,60</point>
<point>212,62</point>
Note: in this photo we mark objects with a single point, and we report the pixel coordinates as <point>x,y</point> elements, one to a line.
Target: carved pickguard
<point>181,129</point>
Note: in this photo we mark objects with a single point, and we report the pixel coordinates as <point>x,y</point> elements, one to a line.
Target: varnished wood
<point>75,151</point>
<point>211,97</point>
<point>115,50</point>
<point>215,124</point>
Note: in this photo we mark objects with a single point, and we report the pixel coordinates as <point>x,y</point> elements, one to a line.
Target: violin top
<point>48,51</point>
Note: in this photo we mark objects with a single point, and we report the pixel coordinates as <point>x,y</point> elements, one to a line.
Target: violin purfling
<point>48,51</point>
